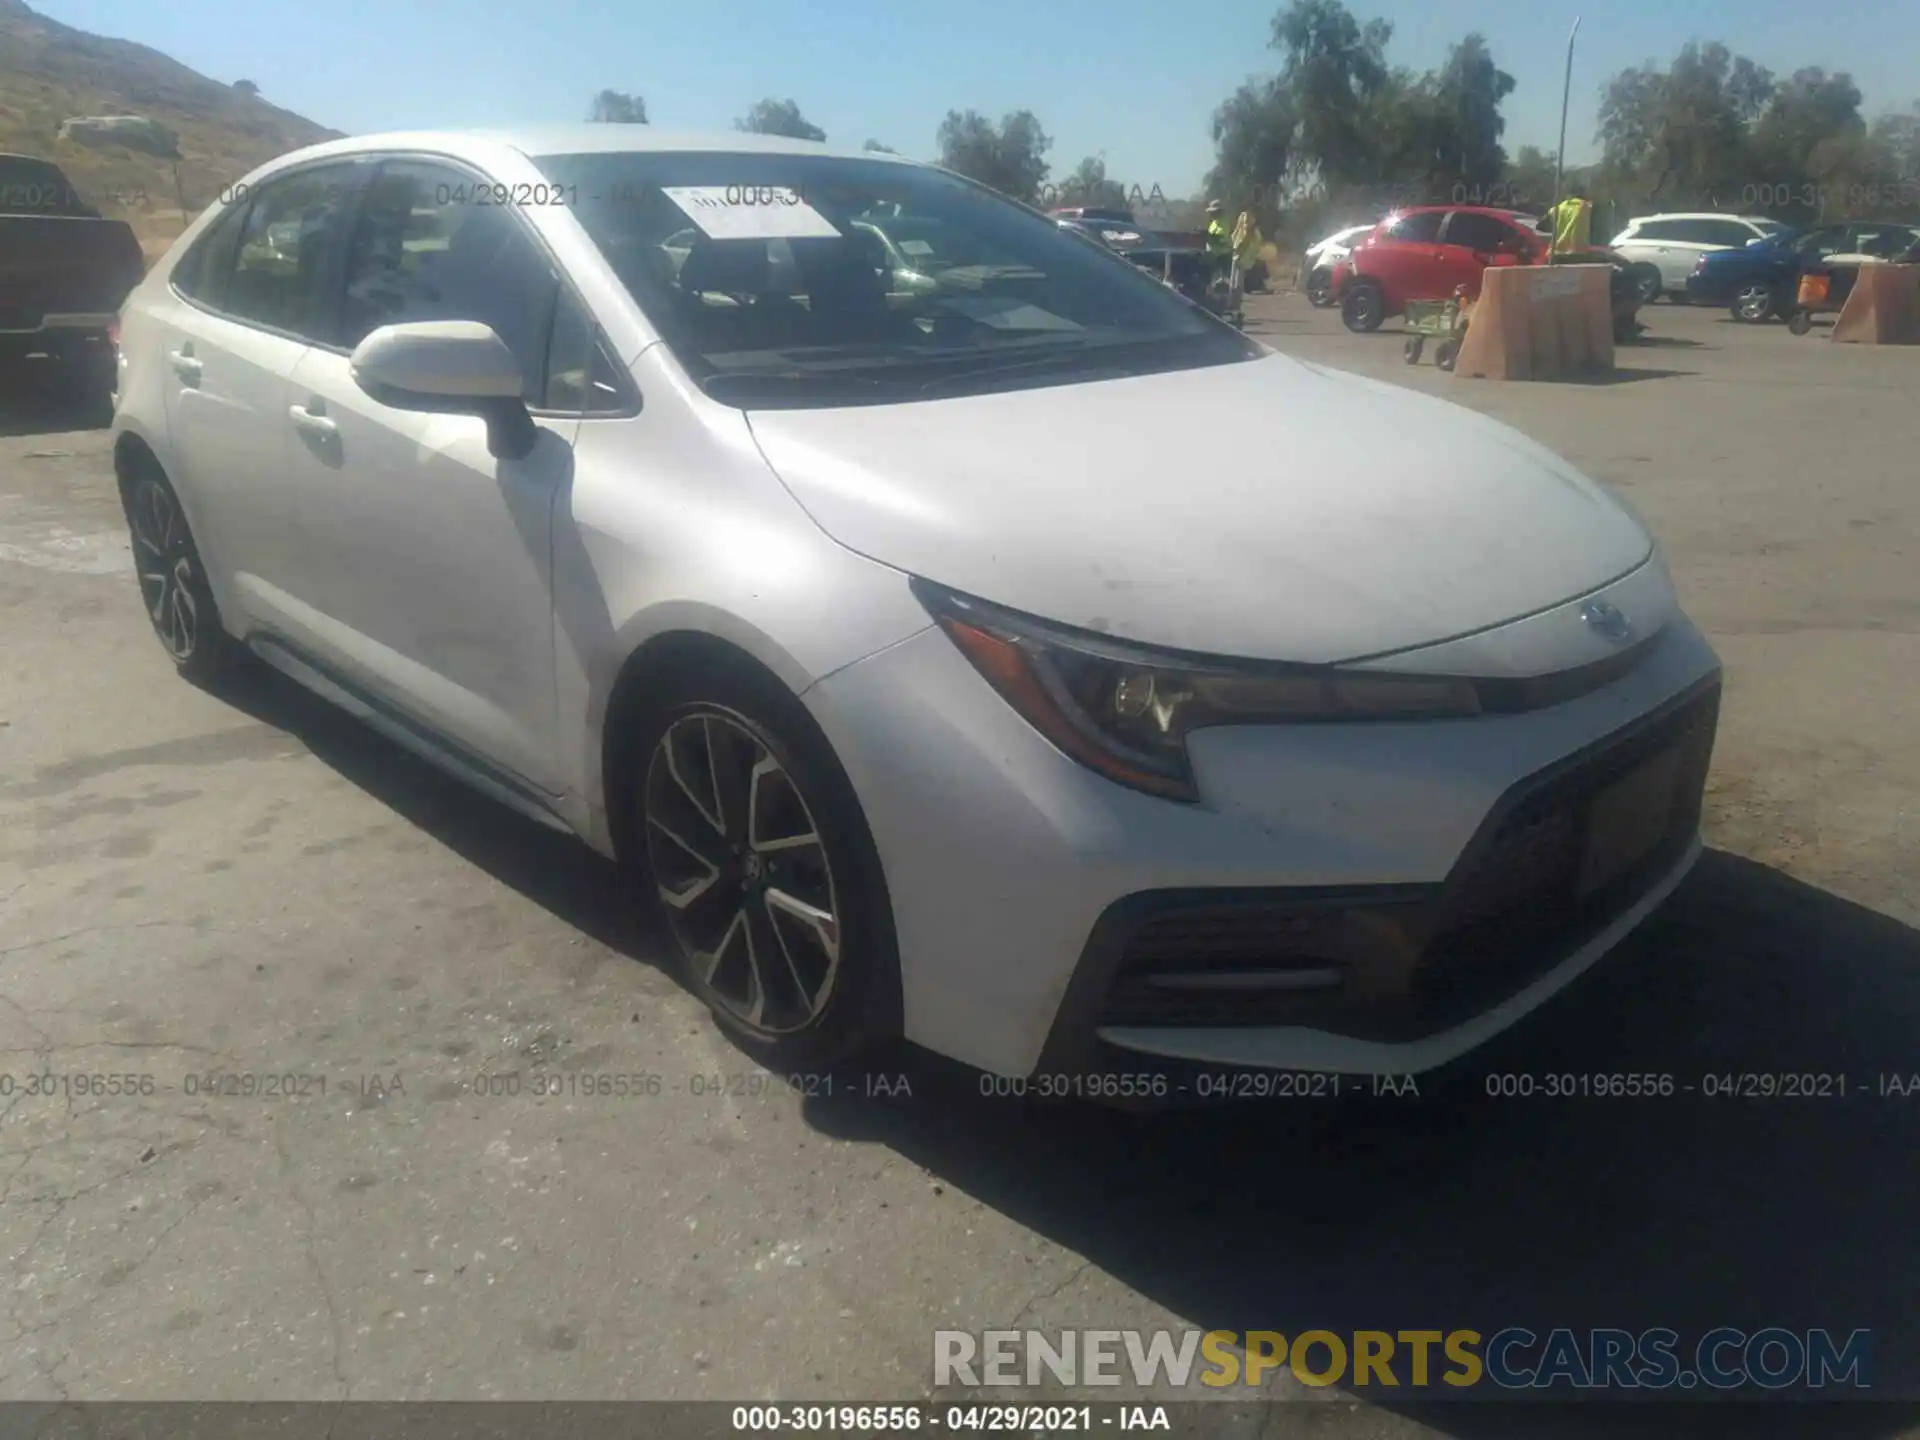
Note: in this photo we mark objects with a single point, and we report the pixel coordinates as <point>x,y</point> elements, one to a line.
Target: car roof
<point>1703,215</point>
<point>483,145</point>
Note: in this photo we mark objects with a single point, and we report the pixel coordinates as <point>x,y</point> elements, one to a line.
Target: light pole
<point>1566,93</point>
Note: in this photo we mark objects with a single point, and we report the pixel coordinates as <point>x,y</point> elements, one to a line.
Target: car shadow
<point>1448,1209</point>
<point>556,871</point>
<point>1661,342</point>
<point>30,404</point>
<point>1460,1210</point>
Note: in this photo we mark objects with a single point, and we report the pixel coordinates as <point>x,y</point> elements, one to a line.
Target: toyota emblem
<point>1606,619</point>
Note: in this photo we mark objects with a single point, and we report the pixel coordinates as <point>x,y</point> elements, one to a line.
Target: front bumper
<point>1434,867</point>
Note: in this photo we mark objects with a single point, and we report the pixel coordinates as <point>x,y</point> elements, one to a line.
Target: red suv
<point>1424,252</point>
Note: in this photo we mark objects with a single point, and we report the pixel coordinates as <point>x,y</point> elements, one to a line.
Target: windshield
<point>811,280</point>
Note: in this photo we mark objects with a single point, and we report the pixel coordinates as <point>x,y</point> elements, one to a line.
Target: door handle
<point>184,365</point>
<point>308,421</point>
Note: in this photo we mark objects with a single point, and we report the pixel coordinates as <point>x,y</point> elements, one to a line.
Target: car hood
<point>1270,509</point>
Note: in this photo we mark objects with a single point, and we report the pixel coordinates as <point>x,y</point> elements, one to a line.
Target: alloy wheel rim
<point>742,872</point>
<point>1755,302</point>
<point>166,570</point>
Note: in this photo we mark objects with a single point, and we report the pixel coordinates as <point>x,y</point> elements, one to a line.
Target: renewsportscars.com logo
<point>1515,1358</point>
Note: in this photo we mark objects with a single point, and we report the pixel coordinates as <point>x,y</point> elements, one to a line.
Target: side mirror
<point>449,367</point>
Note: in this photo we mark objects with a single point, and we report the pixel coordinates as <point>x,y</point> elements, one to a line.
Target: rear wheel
<point>1800,322</point>
<point>1414,345</point>
<point>1448,352</point>
<point>1754,303</point>
<point>1363,307</point>
<point>173,579</point>
<point>760,867</point>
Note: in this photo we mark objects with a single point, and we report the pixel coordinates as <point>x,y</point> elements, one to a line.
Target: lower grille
<point>1515,907</point>
<point>1397,961</point>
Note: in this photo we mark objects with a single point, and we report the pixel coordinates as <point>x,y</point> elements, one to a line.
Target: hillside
<point>51,72</point>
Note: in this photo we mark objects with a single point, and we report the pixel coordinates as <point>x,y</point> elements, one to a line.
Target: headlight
<point>1126,711</point>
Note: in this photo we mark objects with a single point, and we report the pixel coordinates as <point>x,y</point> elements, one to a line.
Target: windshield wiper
<point>1097,361</point>
<point>754,381</point>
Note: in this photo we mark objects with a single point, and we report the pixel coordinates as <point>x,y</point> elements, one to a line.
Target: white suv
<point>1663,248</point>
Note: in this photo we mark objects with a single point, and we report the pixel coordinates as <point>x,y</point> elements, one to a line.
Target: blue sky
<point>1137,79</point>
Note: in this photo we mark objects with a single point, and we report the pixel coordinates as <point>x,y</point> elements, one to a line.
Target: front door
<point>438,555</point>
<point>1407,259</point>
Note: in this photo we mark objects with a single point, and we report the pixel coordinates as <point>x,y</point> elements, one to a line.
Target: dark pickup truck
<point>64,272</point>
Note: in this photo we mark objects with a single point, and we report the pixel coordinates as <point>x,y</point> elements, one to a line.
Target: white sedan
<point>1034,667</point>
<point>1317,262</point>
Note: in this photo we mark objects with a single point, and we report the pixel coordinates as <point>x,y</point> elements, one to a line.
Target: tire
<point>1448,352</point>
<point>1320,289</point>
<point>1413,348</point>
<point>1362,308</point>
<point>1754,304</point>
<point>1647,278</point>
<point>1254,278</point>
<point>173,578</point>
<point>1800,322</point>
<point>789,941</point>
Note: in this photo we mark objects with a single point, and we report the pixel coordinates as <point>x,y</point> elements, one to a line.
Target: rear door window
<point>1656,230</point>
<point>1724,232</point>
<point>286,243</point>
<point>203,272</point>
<point>1479,232</point>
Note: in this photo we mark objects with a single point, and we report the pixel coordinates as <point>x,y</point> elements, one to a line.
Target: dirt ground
<point>247,882</point>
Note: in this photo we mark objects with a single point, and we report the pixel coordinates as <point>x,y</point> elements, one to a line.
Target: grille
<point>1414,959</point>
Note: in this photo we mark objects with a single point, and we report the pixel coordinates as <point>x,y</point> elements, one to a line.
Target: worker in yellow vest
<point>1571,222</point>
<point>1219,242</point>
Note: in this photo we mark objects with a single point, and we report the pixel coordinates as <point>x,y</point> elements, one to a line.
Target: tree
<point>1253,144</point>
<point>1468,93</point>
<point>616,108</point>
<point>1529,177</point>
<point>779,117</point>
<point>1089,185</point>
<point>1684,132</point>
<point>1011,158</point>
<point>878,148</point>
<point>246,88</point>
<point>1335,68</point>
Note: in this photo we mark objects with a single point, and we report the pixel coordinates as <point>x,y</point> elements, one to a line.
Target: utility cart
<point>1445,320</point>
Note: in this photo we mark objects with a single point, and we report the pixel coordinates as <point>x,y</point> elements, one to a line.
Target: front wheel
<point>1362,308</point>
<point>1320,289</point>
<point>1800,322</point>
<point>1447,354</point>
<point>1414,345</point>
<point>760,867</point>
<point>1646,279</point>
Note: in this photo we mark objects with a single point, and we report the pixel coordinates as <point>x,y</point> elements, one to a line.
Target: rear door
<point>1694,238</point>
<point>437,556</point>
<point>1406,258</point>
<point>1471,241</point>
<point>245,301</point>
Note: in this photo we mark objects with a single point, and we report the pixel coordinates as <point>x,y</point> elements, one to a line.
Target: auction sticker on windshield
<point>750,212</point>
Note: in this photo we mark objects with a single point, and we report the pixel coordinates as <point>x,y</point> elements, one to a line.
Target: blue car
<point>1757,282</point>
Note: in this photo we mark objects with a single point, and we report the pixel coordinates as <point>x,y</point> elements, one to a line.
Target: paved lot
<point>243,882</point>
